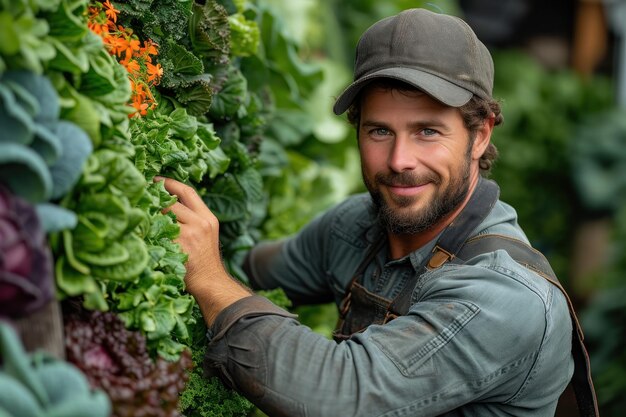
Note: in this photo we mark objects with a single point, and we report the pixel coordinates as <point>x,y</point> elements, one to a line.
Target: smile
<point>406,190</point>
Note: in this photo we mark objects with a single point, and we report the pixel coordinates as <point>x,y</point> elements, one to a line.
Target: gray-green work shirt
<point>485,338</point>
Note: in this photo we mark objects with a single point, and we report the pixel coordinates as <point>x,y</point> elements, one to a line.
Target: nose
<point>402,155</point>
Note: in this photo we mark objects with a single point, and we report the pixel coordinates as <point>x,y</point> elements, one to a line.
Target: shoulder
<point>352,221</point>
<point>502,220</point>
<point>356,207</point>
<point>512,300</point>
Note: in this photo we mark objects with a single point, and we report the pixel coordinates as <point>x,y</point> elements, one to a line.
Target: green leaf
<point>183,61</point>
<point>9,36</point>
<point>226,208</point>
<point>100,79</point>
<point>95,301</point>
<point>165,318</point>
<point>136,217</point>
<point>17,126</point>
<point>180,329</point>
<point>163,226</point>
<point>23,97</point>
<point>85,115</point>
<point>209,31</point>
<point>41,88</point>
<point>65,25</point>
<point>91,231</point>
<point>226,199</point>
<point>113,254</point>
<point>74,61</point>
<point>17,365</point>
<point>25,172</point>
<point>131,268</point>
<point>169,349</point>
<point>245,35</point>
<point>128,300</point>
<point>208,136</point>
<point>218,162</point>
<point>74,385</point>
<point>16,399</point>
<point>55,218</point>
<point>96,404</point>
<point>182,124</point>
<point>121,175</point>
<point>196,94</point>
<point>46,144</point>
<point>68,245</point>
<point>113,207</point>
<point>182,305</point>
<point>120,95</point>
<point>76,147</point>
<point>251,182</point>
<point>232,96</point>
<point>35,47</point>
<point>290,126</point>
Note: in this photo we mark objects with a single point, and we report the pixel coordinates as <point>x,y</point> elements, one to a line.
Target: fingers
<point>183,213</point>
<point>185,194</point>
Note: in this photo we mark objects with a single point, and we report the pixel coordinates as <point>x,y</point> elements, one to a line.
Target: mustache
<point>405,179</point>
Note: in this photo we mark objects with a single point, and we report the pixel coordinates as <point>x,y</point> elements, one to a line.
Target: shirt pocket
<point>410,341</point>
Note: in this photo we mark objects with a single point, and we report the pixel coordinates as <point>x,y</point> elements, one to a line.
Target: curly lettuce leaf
<point>245,35</point>
<point>209,30</point>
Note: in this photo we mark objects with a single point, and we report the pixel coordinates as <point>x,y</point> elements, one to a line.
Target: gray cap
<point>436,53</point>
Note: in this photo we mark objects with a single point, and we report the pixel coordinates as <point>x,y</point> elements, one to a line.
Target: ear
<point>483,137</point>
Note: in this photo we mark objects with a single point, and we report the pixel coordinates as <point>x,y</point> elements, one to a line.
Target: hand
<point>206,279</point>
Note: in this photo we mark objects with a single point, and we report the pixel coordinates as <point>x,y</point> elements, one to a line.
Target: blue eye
<point>380,131</point>
<point>429,132</point>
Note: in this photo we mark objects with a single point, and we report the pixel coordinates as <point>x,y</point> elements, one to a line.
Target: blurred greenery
<point>543,112</point>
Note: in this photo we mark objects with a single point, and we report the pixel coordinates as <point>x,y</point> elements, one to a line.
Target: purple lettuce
<point>26,268</point>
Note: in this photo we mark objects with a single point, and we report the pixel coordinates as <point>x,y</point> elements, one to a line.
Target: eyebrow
<point>415,124</point>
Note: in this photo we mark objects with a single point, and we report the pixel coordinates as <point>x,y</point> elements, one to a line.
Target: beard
<point>398,221</point>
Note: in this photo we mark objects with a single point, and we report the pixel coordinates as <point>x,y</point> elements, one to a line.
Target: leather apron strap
<point>359,307</point>
<point>534,260</point>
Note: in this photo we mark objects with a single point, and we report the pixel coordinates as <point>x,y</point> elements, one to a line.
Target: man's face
<point>415,158</point>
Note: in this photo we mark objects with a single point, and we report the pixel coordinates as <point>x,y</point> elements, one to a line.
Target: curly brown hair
<point>474,114</point>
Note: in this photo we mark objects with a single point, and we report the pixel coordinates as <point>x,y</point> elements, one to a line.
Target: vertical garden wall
<point>96,99</point>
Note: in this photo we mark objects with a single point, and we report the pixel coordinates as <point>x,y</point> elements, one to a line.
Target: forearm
<point>288,370</point>
<point>212,298</point>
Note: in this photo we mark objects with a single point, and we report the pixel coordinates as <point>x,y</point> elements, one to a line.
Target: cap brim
<point>440,89</point>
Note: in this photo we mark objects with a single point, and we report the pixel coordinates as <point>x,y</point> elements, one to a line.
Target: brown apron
<point>361,308</point>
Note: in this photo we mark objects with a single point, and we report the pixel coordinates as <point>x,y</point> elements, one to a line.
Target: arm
<point>439,357</point>
<point>206,280</point>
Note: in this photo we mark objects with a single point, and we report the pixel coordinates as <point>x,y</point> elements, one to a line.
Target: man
<point>434,320</point>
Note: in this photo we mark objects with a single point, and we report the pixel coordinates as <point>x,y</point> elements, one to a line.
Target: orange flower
<point>117,45</point>
<point>111,12</point>
<point>150,48</point>
<point>95,27</point>
<point>155,72</point>
<point>138,89</point>
<point>130,53</point>
<point>132,66</point>
<point>132,45</point>
<point>140,105</point>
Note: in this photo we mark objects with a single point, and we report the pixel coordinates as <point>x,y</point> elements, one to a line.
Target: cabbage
<point>26,280</point>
